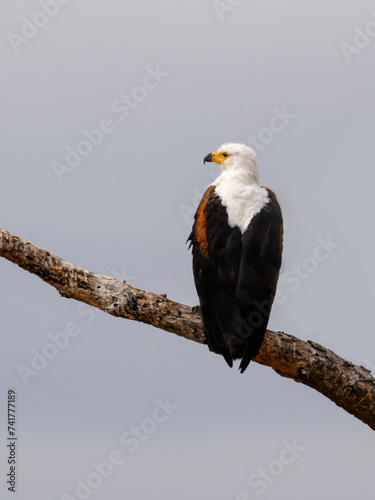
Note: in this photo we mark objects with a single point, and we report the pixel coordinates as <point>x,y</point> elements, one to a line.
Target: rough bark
<point>349,386</point>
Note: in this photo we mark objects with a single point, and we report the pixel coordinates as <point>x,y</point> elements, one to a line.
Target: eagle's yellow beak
<point>216,157</point>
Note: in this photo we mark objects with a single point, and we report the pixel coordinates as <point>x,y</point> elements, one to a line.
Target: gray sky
<point>198,74</point>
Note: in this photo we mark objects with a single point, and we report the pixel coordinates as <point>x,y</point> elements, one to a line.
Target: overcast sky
<point>108,109</point>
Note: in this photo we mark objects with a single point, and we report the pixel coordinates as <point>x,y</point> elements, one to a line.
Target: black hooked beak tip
<point>207,158</point>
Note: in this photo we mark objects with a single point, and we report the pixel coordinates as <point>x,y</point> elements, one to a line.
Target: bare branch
<point>349,386</point>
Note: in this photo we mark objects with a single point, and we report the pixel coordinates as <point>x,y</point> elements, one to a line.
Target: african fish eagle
<point>236,240</point>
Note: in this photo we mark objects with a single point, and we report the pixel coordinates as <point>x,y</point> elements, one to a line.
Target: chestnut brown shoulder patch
<point>200,222</point>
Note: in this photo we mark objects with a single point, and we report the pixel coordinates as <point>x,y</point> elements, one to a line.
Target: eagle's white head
<point>236,158</point>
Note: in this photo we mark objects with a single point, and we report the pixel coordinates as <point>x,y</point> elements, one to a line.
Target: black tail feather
<point>236,332</point>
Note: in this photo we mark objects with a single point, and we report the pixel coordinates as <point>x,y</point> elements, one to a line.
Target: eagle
<point>236,241</point>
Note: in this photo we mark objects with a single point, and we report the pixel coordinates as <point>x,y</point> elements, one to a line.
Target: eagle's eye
<point>225,155</point>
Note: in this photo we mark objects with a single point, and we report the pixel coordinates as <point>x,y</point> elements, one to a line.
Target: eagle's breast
<point>242,200</point>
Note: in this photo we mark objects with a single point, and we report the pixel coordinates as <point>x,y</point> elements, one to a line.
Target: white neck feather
<point>241,194</point>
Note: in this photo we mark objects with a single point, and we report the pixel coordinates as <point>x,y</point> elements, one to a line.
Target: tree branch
<point>349,386</point>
